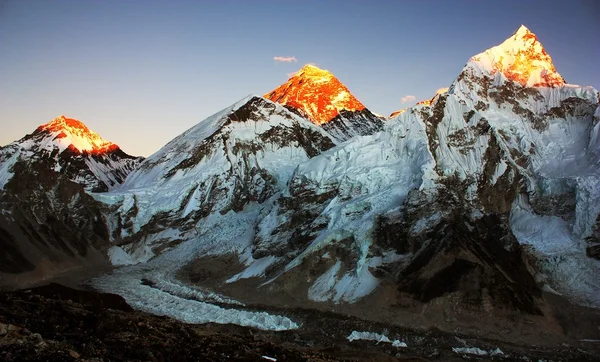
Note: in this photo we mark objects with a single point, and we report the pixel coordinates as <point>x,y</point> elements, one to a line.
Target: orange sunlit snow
<point>523,59</point>
<point>82,138</point>
<point>317,93</point>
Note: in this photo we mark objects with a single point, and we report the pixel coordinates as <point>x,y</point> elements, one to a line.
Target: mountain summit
<point>68,147</point>
<point>68,131</point>
<point>522,59</point>
<point>317,95</point>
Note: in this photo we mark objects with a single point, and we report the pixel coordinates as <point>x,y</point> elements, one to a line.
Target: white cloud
<point>285,59</point>
<point>441,90</point>
<point>408,98</point>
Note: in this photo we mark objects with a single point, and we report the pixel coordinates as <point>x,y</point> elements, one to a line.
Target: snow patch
<point>256,269</point>
<point>478,351</point>
<point>322,288</point>
<point>352,286</point>
<point>118,256</point>
<point>371,336</point>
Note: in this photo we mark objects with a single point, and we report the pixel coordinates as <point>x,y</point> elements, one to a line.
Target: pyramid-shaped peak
<point>65,122</point>
<point>522,31</point>
<point>316,94</point>
<point>312,71</point>
<point>67,132</point>
<point>522,39</point>
<point>522,59</point>
<point>312,68</point>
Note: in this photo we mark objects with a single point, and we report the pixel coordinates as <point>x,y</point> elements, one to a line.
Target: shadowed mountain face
<point>49,223</point>
<point>479,260</point>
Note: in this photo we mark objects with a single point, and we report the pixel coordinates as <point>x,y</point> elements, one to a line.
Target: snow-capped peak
<point>312,71</point>
<point>66,132</point>
<point>522,59</point>
<point>66,146</point>
<point>316,93</point>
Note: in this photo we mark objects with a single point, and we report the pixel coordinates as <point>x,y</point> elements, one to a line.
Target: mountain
<point>233,161</point>
<point>485,195</point>
<point>318,96</point>
<point>475,203</point>
<point>49,223</point>
<point>426,102</point>
<point>67,146</point>
<point>456,192</point>
<point>397,113</point>
<point>522,59</point>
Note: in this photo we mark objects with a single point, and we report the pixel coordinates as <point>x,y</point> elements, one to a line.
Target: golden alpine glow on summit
<point>76,133</point>
<point>317,93</point>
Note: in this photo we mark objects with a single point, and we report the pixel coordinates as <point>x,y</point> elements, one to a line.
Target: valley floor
<point>159,311</point>
<point>56,323</point>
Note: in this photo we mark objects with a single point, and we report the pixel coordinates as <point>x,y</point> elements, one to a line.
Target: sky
<point>141,72</point>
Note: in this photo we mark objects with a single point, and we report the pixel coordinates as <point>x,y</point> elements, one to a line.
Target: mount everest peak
<point>317,93</point>
<point>319,96</point>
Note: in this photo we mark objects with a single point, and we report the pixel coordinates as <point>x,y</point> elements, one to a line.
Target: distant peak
<point>316,93</point>
<point>523,38</point>
<point>312,71</point>
<point>62,122</point>
<point>522,31</point>
<point>312,68</point>
<point>522,59</point>
<point>397,113</point>
<point>69,131</point>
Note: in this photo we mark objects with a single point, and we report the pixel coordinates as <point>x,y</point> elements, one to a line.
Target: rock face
<point>49,223</point>
<point>236,160</point>
<point>320,97</point>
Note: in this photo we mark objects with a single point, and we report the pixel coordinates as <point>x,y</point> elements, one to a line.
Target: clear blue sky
<point>141,72</point>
